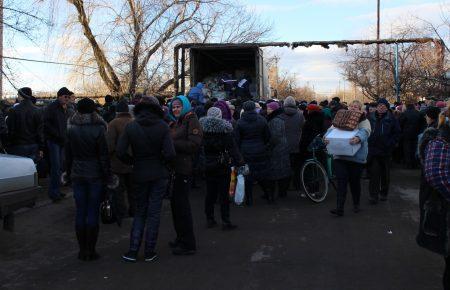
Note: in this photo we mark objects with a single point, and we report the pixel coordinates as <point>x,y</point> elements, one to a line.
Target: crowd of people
<point>143,150</point>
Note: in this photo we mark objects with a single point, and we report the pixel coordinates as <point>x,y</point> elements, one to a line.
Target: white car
<point>18,186</point>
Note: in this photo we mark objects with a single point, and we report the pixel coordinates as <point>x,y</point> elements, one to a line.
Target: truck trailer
<point>222,65</point>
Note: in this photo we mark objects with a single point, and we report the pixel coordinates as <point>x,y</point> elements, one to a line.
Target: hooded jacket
<point>187,135</point>
<point>293,121</point>
<point>219,146</point>
<point>196,93</point>
<point>151,146</point>
<point>86,148</point>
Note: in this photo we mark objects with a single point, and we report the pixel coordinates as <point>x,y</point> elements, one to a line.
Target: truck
<point>210,62</point>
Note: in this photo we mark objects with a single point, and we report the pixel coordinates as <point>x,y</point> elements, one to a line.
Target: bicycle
<point>315,178</point>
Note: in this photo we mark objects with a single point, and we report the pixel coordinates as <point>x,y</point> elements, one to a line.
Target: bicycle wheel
<point>314,180</point>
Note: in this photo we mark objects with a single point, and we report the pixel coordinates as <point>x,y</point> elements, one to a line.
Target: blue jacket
<point>385,134</point>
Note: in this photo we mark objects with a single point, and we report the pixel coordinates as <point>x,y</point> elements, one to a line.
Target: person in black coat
<point>152,150</point>
<point>314,126</point>
<point>220,148</point>
<point>385,135</point>
<point>25,128</point>
<point>412,123</point>
<point>88,168</point>
<point>253,136</point>
<point>3,132</point>
<point>55,130</point>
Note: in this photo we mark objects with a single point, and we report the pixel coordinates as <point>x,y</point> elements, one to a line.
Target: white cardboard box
<point>340,142</point>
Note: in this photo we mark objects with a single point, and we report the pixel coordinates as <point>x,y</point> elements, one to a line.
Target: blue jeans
<point>55,152</point>
<point>149,196</point>
<point>29,151</point>
<point>88,196</point>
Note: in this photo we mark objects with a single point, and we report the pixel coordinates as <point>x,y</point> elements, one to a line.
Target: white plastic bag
<point>240,190</point>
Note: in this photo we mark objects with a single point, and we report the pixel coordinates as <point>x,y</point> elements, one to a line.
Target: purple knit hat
<point>226,112</point>
<point>273,106</point>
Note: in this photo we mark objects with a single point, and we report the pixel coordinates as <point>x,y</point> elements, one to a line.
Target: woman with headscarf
<point>88,167</point>
<point>280,167</point>
<point>221,153</point>
<point>253,136</point>
<point>187,138</point>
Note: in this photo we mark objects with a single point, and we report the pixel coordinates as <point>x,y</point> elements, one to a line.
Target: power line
<point>45,61</point>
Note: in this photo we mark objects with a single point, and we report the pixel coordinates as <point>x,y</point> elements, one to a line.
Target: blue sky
<point>292,21</point>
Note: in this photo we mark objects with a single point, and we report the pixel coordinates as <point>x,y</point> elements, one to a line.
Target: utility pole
<point>1,49</point>
<point>378,49</point>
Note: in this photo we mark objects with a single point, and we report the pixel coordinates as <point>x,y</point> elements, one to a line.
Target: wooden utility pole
<point>378,49</point>
<point>1,49</point>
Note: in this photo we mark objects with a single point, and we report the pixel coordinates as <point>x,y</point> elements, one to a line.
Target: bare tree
<point>419,65</point>
<point>132,42</point>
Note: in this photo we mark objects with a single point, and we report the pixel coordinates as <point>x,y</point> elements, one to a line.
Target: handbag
<point>434,224</point>
<point>347,120</point>
<point>106,212</point>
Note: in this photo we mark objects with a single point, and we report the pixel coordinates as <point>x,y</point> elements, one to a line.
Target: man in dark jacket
<point>152,148</point>
<point>55,130</point>
<point>25,127</point>
<point>3,132</point>
<point>385,135</point>
<point>109,109</point>
<point>412,123</point>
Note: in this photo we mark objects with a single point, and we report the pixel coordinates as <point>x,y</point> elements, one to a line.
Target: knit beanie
<point>25,92</point>
<point>273,106</point>
<point>214,112</point>
<point>86,106</point>
<point>249,106</point>
<point>64,92</point>
<point>313,107</point>
<point>122,107</point>
<point>289,102</point>
<point>441,104</point>
<point>150,100</point>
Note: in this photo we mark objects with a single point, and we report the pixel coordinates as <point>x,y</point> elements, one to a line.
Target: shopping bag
<point>233,180</point>
<point>240,190</point>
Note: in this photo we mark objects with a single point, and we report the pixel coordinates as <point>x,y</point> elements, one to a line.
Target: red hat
<point>441,104</point>
<point>313,107</point>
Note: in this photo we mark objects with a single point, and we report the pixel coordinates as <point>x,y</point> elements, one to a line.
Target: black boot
<point>81,237</point>
<point>92,236</point>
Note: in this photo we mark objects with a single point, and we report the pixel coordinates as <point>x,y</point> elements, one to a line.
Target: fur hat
<point>215,113</point>
<point>86,106</point>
